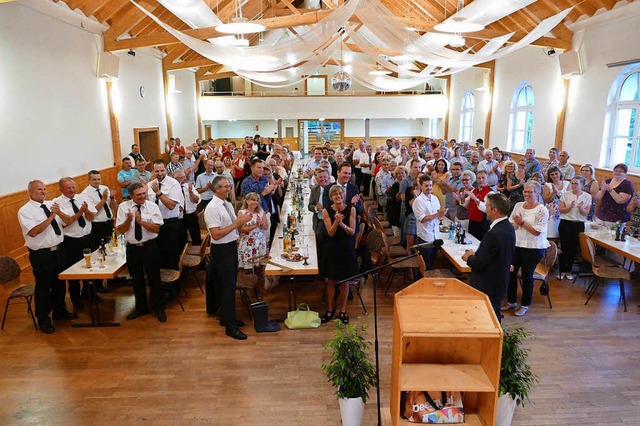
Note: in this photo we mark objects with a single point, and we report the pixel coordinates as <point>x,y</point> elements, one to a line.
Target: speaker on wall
<point>570,64</point>
<point>108,65</point>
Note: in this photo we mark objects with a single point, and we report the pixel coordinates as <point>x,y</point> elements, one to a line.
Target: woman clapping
<point>574,208</point>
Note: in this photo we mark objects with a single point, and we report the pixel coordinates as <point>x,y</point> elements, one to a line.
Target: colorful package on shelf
<point>432,407</point>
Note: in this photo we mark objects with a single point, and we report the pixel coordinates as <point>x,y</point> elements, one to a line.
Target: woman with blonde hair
<point>588,172</point>
<point>253,238</point>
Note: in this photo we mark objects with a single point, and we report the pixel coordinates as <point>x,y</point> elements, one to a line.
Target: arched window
<point>521,119</point>
<point>466,117</point>
<point>624,110</point>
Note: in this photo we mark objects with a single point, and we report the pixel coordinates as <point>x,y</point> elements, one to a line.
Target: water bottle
<point>451,231</point>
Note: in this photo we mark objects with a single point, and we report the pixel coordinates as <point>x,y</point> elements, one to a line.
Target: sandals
<point>342,316</point>
<point>327,317</point>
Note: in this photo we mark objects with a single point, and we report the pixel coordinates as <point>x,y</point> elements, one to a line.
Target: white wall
<point>53,109</point>
<point>135,111</point>
<point>182,107</point>
<point>460,83</point>
<point>600,40</point>
<point>530,64</point>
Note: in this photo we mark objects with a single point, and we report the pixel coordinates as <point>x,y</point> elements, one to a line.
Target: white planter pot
<point>506,408</point>
<point>351,411</point>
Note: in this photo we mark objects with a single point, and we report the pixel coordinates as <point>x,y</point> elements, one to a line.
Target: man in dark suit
<point>491,263</point>
<point>352,192</point>
<point>316,206</point>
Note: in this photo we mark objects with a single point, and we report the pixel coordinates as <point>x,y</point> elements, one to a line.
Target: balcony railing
<point>282,93</point>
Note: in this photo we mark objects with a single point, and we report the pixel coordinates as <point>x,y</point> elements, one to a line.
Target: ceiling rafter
<point>109,9</point>
<point>127,17</point>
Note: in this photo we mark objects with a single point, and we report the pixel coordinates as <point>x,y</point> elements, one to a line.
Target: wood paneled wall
<point>12,242</point>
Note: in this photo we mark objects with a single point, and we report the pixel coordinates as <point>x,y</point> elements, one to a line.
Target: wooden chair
<point>193,262</point>
<point>543,268</point>
<point>170,276</point>
<point>244,284</point>
<point>600,260</point>
<point>406,266</point>
<point>605,273</point>
<point>433,273</point>
<point>10,273</point>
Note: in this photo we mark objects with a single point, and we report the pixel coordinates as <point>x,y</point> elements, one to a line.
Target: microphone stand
<point>375,277</point>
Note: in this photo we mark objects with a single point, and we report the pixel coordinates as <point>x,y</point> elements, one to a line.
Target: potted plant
<point>516,377</point>
<point>350,370</point>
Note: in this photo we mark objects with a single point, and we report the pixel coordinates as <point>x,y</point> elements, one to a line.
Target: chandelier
<point>239,24</point>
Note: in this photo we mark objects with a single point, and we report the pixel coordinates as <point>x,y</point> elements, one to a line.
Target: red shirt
<point>475,215</point>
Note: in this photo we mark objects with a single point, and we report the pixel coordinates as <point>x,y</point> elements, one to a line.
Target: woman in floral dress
<point>253,240</point>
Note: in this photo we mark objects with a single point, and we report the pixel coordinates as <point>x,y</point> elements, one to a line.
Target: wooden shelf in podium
<point>446,337</point>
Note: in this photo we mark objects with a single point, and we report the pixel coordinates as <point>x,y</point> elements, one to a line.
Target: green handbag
<point>302,318</point>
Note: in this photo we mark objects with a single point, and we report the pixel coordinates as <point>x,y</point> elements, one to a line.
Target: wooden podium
<point>446,337</point>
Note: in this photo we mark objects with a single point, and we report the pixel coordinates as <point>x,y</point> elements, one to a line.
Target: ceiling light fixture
<point>240,25</point>
<point>458,23</point>
<point>457,40</point>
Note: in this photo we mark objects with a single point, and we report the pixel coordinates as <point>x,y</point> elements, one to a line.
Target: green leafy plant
<point>516,377</point>
<point>349,370</point>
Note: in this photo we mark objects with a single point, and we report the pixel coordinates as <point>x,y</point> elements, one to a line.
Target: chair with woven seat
<point>10,273</point>
<point>433,273</point>
<point>170,276</point>
<point>193,262</point>
<point>602,273</point>
<point>387,231</point>
<point>245,283</point>
<point>600,260</point>
<point>403,266</point>
<point>543,268</point>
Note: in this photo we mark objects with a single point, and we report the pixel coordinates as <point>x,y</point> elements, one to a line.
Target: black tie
<point>81,220</point>
<point>159,190</point>
<point>138,228</point>
<point>106,207</point>
<point>56,227</point>
<point>369,160</point>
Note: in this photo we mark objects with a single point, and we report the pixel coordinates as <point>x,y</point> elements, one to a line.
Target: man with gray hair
<point>568,171</point>
<point>533,165</point>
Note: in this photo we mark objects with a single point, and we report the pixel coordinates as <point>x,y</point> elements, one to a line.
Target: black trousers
<point>428,253</point>
<point>49,291</point>
<point>170,237</point>
<point>141,259</point>
<point>73,252</point>
<point>569,239</point>
<point>366,183</point>
<point>191,225</point>
<point>222,275</point>
<point>525,259</point>
<point>101,231</point>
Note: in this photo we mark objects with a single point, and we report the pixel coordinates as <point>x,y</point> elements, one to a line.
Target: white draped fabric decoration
<point>294,58</point>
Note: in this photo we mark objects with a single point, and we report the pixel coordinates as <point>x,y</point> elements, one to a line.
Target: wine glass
<point>305,255</point>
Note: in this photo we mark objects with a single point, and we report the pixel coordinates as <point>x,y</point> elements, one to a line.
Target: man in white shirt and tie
<point>166,193</point>
<point>426,208</point>
<point>140,220</point>
<point>100,196</point>
<point>222,273</point>
<point>366,165</point>
<point>76,211</point>
<point>189,216</point>
<point>42,230</point>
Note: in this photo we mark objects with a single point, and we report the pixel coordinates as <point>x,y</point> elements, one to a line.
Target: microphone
<point>432,244</point>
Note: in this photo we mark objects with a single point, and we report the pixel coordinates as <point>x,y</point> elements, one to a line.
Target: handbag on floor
<point>432,407</point>
<point>302,318</point>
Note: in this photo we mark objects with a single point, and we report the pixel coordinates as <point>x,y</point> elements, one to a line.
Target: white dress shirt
<point>188,205</point>
<point>149,212</point>
<point>31,215</point>
<point>171,188</point>
<point>425,205</point>
<point>216,215</point>
<point>92,193</point>
<point>201,181</point>
<point>75,230</point>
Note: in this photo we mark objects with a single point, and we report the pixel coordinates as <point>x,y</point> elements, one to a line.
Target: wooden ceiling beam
<point>174,53</point>
<point>291,7</point>
<point>201,62</point>
<point>126,18</point>
<point>217,76</point>
<point>112,45</point>
<point>110,8</point>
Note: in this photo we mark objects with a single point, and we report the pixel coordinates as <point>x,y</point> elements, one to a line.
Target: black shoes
<point>261,321</point>
<point>46,327</point>
<point>64,315</point>
<point>327,317</point>
<point>235,333</point>
<point>162,315</point>
<point>138,313</point>
<point>342,316</point>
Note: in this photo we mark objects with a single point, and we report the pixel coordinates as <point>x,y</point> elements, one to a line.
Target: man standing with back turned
<point>491,263</point>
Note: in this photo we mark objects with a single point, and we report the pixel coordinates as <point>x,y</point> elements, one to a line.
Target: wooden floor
<point>187,371</point>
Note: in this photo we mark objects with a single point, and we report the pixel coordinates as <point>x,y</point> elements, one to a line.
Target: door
<point>149,141</point>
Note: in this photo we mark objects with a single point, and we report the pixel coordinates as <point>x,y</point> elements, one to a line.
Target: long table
<point>629,249</point>
<point>453,252</point>
<point>114,265</point>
